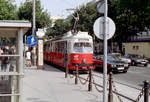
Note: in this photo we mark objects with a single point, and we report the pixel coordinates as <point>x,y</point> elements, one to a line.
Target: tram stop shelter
<point>11,80</point>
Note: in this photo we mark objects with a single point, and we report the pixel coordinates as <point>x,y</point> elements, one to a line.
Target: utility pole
<point>33,16</point>
<point>33,31</point>
<point>105,53</point>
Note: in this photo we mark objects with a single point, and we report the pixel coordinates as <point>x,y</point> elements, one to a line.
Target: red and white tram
<point>70,50</point>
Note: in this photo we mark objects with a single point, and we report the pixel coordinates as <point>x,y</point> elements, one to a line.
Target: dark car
<point>137,59</point>
<point>114,64</point>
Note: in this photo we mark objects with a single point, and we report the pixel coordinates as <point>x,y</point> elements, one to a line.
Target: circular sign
<point>99,28</point>
<point>40,33</point>
<point>100,7</point>
<point>32,41</point>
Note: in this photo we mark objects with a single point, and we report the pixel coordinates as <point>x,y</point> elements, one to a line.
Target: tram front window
<point>82,47</point>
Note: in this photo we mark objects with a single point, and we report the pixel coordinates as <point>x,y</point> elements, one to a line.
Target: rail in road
<point>50,85</point>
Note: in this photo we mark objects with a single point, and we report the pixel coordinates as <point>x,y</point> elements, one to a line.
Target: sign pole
<point>33,32</point>
<point>104,29</point>
<point>105,54</point>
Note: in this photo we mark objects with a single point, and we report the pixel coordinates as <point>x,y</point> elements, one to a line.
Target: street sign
<point>100,7</point>
<point>32,41</point>
<point>99,28</point>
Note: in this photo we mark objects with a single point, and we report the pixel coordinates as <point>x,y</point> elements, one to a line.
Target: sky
<point>58,7</point>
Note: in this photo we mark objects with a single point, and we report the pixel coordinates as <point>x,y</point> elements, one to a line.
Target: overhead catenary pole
<point>105,54</point>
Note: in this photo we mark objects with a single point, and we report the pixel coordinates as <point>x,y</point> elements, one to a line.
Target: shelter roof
<point>9,28</point>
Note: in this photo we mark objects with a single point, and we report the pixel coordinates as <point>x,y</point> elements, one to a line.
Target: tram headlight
<point>76,57</point>
<point>84,60</point>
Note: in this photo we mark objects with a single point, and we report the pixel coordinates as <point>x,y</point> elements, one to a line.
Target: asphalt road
<point>134,77</point>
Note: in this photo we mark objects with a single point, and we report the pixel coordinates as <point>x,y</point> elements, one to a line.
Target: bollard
<point>146,94</point>
<point>110,94</point>
<point>76,75</point>
<point>66,73</point>
<point>90,80</point>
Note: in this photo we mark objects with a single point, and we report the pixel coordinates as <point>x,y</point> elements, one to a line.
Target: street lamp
<point>40,34</point>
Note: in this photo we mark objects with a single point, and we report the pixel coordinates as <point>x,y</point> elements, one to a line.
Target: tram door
<point>65,54</point>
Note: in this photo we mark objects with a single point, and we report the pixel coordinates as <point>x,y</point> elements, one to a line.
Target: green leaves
<point>42,17</point>
<point>7,11</point>
<point>60,27</point>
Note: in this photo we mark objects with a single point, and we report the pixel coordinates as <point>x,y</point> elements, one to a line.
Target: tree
<point>87,16</point>
<point>8,11</point>
<point>130,16</point>
<point>60,27</point>
<point>42,17</point>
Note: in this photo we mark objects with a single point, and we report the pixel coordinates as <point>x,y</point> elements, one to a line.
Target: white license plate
<point>143,62</point>
<point>120,68</point>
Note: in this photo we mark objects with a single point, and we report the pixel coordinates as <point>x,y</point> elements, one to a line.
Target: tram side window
<point>60,47</point>
<point>49,47</point>
<point>56,47</point>
<point>46,47</point>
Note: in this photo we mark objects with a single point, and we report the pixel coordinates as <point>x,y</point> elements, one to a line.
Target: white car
<point>126,60</point>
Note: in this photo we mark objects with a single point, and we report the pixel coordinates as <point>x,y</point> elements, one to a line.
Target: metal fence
<point>112,89</point>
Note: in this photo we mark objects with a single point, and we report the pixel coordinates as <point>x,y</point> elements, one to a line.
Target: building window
<point>135,47</point>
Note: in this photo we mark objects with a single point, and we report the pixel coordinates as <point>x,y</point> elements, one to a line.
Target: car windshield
<point>110,58</point>
<point>113,58</point>
<point>136,56</point>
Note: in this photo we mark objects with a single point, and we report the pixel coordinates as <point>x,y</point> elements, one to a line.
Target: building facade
<point>140,48</point>
<point>139,45</point>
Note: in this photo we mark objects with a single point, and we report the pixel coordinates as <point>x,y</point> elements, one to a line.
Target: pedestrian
<point>1,52</point>
<point>28,58</point>
<point>5,62</point>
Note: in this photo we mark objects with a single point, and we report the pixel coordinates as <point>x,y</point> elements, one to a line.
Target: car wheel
<point>125,71</point>
<point>133,63</point>
<point>145,65</point>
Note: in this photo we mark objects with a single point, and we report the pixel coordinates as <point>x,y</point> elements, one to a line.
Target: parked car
<point>122,58</point>
<point>114,64</point>
<point>126,60</point>
<point>137,59</point>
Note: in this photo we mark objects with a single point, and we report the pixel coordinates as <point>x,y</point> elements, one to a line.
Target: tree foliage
<point>130,16</point>
<point>8,11</point>
<point>60,27</point>
<point>87,16</point>
<point>42,17</point>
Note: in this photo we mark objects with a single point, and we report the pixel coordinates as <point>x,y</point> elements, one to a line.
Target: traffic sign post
<point>104,28</point>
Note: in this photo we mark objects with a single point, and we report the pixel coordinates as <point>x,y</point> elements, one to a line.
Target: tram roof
<point>9,28</point>
<point>69,34</point>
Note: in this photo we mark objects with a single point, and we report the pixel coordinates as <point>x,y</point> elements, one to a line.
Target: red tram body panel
<point>70,51</point>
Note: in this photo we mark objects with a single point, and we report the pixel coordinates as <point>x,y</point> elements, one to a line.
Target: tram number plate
<point>83,68</point>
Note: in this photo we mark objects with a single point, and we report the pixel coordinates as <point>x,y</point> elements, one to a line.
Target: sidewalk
<point>50,85</point>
